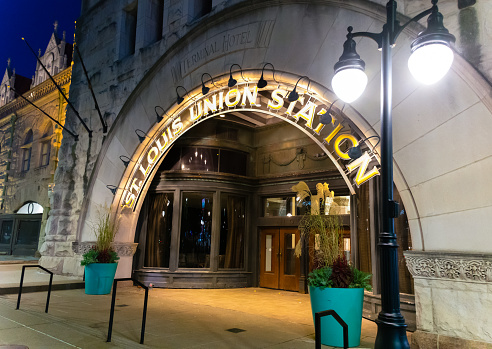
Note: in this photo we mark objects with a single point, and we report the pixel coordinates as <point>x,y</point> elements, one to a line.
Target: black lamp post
<point>428,68</point>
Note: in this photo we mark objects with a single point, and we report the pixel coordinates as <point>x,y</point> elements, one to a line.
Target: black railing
<point>317,327</point>
<point>22,281</point>
<point>111,315</point>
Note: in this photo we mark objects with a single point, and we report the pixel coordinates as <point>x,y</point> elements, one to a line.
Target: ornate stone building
<point>29,147</point>
<point>149,60</point>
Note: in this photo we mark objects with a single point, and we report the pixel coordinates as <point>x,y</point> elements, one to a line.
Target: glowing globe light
<point>429,63</point>
<point>348,84</point>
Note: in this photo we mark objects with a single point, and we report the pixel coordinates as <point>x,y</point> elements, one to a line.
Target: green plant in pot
<point>334,283</point>
<point>101,260</point>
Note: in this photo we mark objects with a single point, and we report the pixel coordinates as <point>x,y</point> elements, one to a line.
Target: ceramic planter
<point>347,302</point>
<point>99,277</point>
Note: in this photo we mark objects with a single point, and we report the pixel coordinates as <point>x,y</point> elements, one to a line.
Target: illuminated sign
<point>304,113</point>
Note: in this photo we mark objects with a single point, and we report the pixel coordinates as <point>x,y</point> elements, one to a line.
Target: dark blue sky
<point>33,20</point>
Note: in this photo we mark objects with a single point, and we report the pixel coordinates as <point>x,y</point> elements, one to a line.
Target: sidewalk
<point>228,318</point>
<point>176,318</point>
<point>35,279</point>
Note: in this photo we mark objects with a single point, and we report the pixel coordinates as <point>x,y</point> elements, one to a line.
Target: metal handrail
<point>317,327</point>
<point>111,315</point>
<point>22,281</point>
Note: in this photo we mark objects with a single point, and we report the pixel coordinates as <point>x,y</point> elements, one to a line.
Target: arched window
<point>30,208</point>
<point>26,151</point>
<point>46,145</point>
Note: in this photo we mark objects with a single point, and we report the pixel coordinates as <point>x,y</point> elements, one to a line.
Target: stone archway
<point>179,119</point>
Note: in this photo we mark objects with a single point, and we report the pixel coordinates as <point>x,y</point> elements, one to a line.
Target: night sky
<point>33,20</point>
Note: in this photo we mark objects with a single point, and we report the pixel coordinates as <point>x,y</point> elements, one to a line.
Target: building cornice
<point>468,267</point>
<point>37,92</point>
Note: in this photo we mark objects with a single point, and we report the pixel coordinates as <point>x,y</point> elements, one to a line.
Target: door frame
<point>276,278</point>
<point>20,249</point>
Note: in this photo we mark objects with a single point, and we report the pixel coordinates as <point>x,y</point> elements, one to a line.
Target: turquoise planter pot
<point>347,302</point>
<point>99,277</point>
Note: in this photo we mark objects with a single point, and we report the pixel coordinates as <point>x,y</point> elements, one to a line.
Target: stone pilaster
<point>453,299</point>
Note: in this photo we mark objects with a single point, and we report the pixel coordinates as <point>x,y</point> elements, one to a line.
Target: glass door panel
<point>290,268</point>
<point>268,252</point>
<point>269,258</point>
<point>6,236</point>
<point>26,239</point>
<point>289,255</point>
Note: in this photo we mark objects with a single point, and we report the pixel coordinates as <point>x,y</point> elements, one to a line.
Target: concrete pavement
<point>176,318</point>
<point>35,279</point>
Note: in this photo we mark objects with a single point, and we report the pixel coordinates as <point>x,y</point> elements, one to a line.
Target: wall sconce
<point>112,188</point>
<point>232,81</point>
<point>180,99</point>
<point>294,96</point>
<point>205,89</point>
<point>159,117</point>
<point>126,160</point>
<point>141,135</point>
<point>355,152</point>
<point>262,82</point>
<point>326,118</point>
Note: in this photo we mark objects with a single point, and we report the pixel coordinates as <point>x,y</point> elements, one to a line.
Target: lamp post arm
<point>377,37</point>
<point>399,28</point>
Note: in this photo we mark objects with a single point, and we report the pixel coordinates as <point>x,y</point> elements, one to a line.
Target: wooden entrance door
<point>279,267</point>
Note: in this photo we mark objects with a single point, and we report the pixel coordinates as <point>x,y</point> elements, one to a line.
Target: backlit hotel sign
<point>303,113</point>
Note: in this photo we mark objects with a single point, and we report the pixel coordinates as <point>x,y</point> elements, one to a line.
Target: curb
<point>41,288</point>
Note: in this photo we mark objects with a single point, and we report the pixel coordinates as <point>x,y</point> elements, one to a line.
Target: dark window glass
<point>232,227</point>
<point>285,206</point>
<point>6,233</point>
<point>26,159</point>
<point>45,153</point>
<point>206,160</point>
<point>159,228</point>
<point>171,161</point>
<point>202,7</point>
<point>233,162</point>
<point>129,31</point>
<point>28,233</point>
<point>199,159</point>
<point>290,257</point>
<point>196,230</point>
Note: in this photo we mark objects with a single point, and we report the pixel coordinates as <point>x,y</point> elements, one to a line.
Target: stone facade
<point>31,141</point>
<point>441,133</point>
<point>453,291</point>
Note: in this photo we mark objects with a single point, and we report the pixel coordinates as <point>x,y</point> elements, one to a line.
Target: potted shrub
<point>101,260</point>
<point>334,283</point>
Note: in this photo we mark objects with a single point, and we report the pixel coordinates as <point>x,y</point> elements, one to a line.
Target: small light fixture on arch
<point>262,82</point>
<point>180,99</point>
<point>141,135</point>
<point>205,89</point>
<point>293,95</point>
<point>233,81</point>
<point>355,152</point>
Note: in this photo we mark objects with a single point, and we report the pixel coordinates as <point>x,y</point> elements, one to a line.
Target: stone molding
<point>450,266</point>
<point>123,249</point>
<point>37,92</point>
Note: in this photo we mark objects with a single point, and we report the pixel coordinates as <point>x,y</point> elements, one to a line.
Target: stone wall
<point>453,298</point>
<point>17,118</point>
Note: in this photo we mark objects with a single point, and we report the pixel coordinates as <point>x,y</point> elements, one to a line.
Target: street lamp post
<point>348,83</point>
